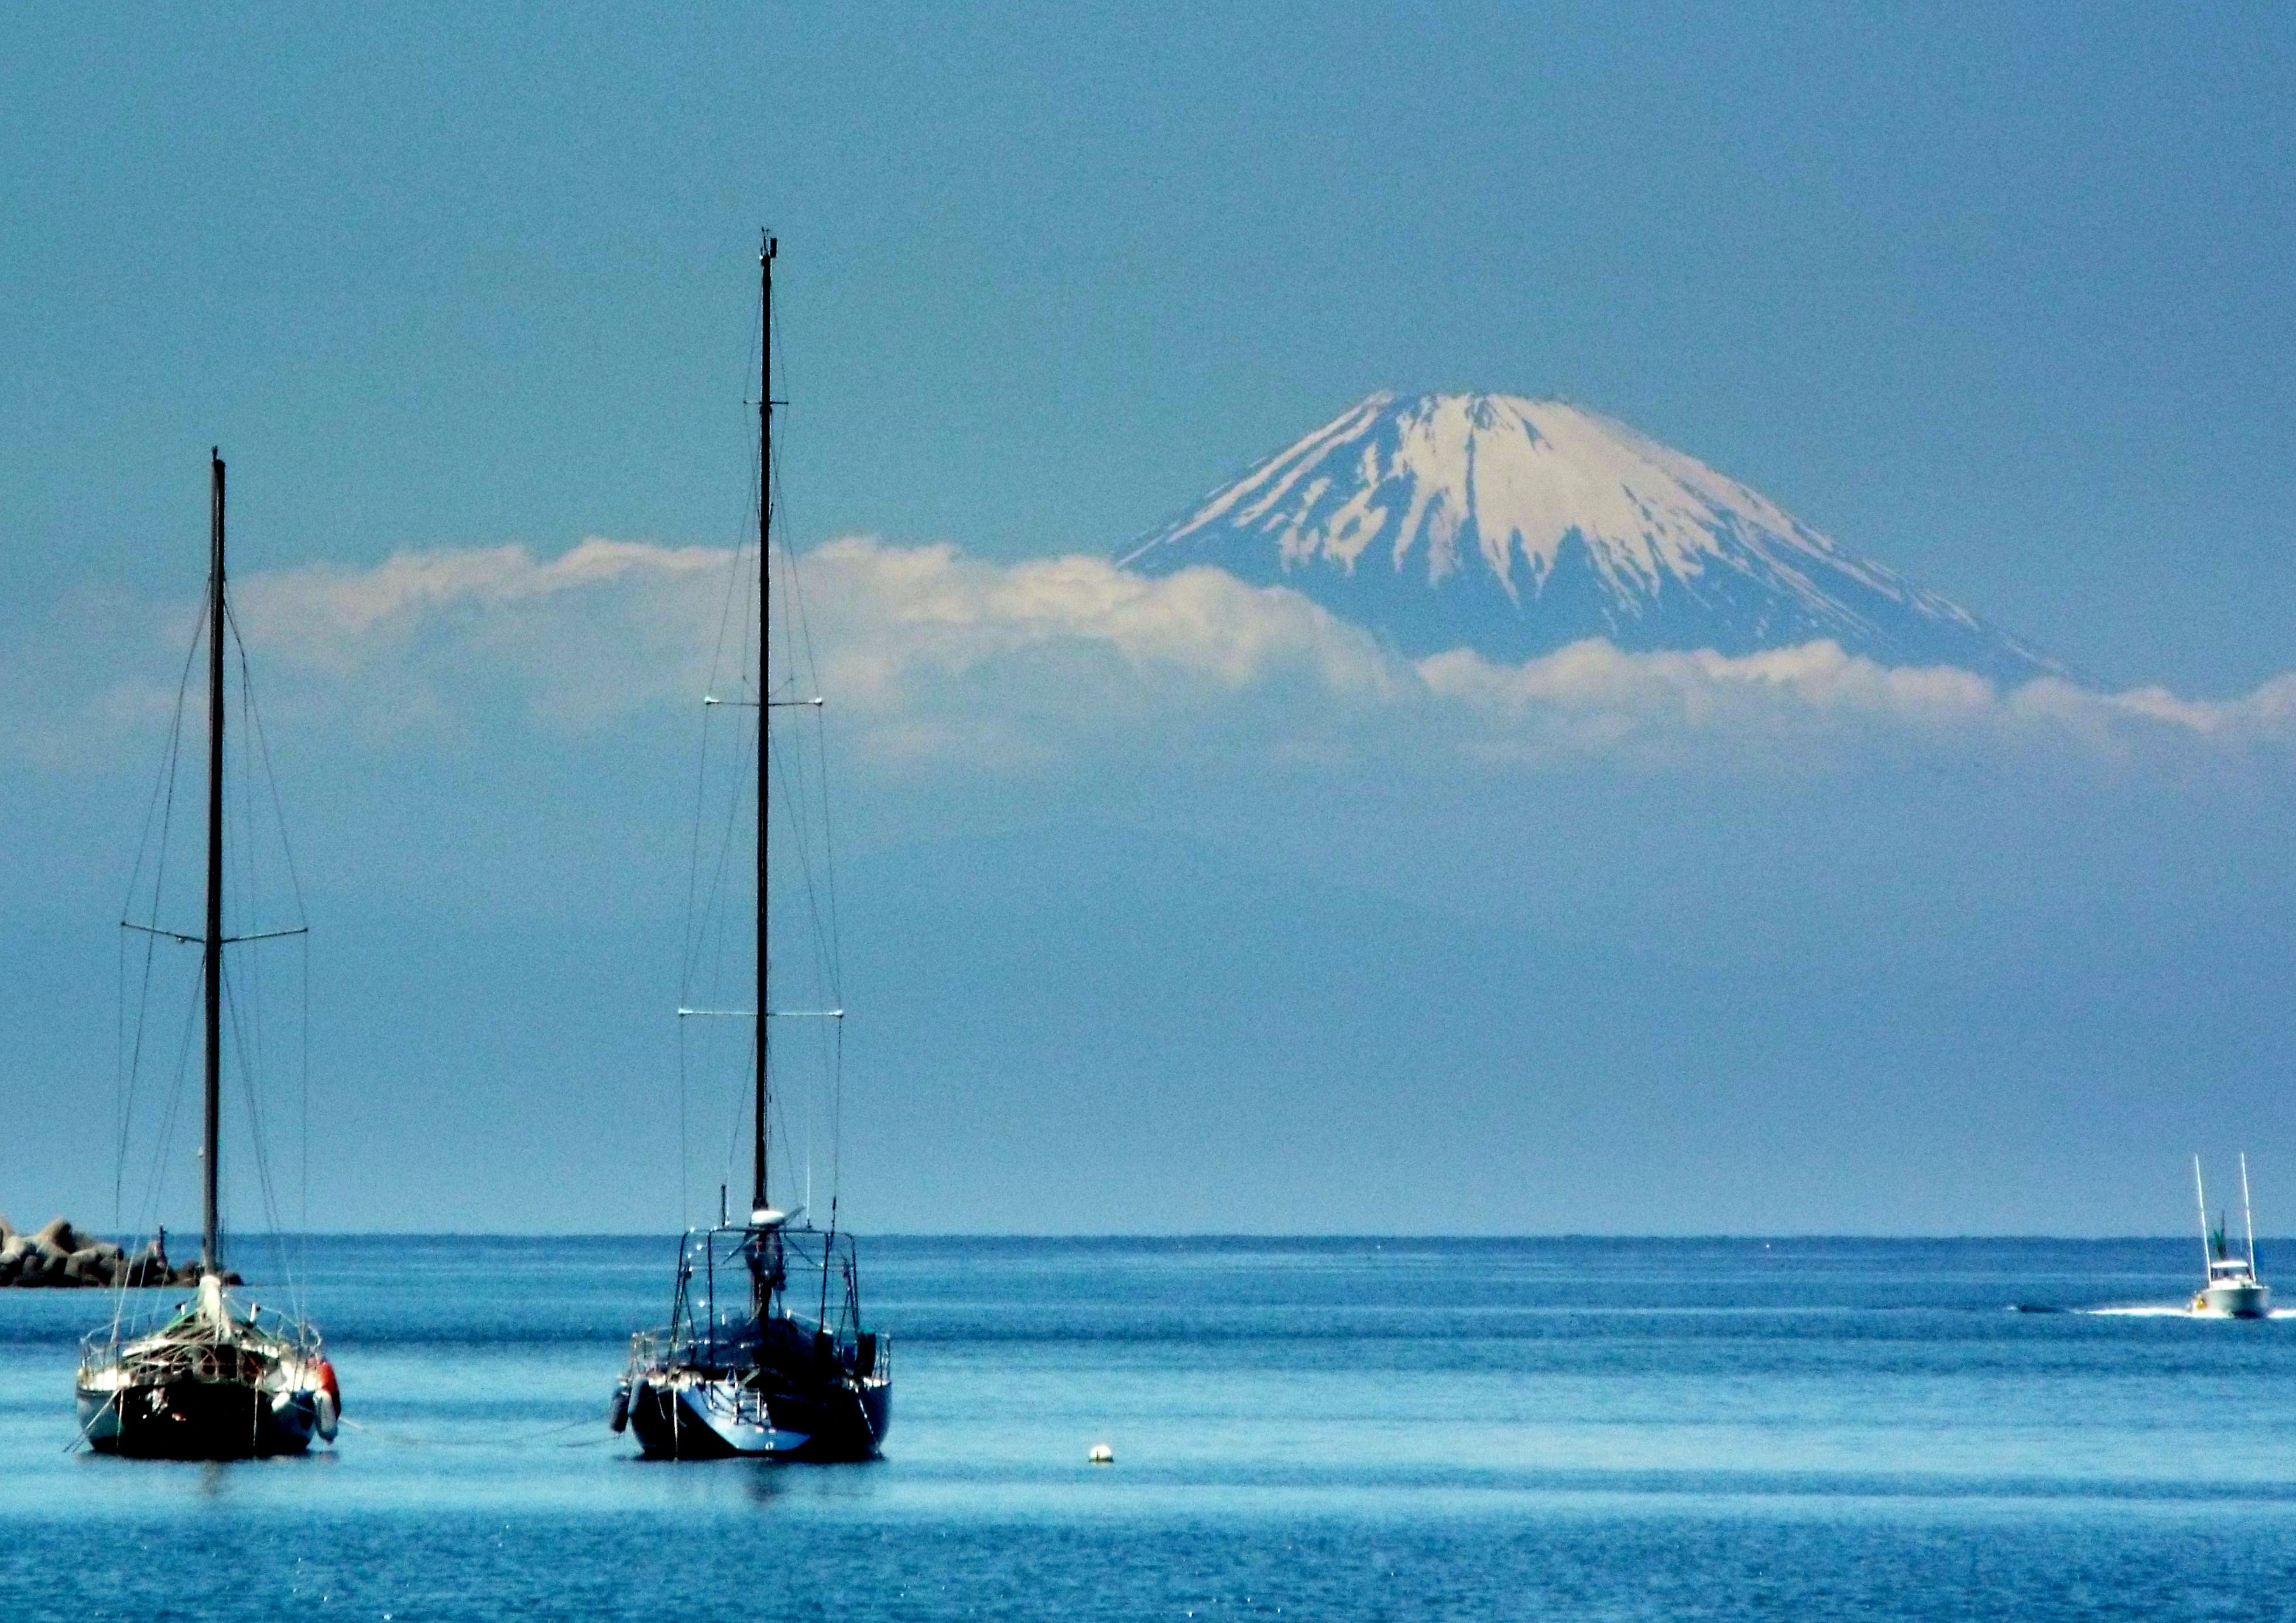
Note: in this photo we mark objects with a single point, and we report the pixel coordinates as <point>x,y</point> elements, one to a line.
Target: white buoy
<point>1101,1454</point>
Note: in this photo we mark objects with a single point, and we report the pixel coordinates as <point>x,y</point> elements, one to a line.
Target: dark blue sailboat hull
<point>196,1420</point>
<point>816,1420</point>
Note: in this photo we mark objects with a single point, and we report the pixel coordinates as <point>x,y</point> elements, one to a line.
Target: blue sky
<point>1998,300</point>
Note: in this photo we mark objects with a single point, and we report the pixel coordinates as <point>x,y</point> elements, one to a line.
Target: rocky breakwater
<point>62,1256</point>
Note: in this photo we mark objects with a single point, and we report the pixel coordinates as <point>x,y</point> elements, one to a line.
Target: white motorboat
<point>2232,1290</point>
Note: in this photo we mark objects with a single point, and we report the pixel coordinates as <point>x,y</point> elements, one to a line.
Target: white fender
<point>325,1402</point>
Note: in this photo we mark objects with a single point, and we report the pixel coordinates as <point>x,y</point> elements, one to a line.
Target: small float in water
<point>2231,1290</point>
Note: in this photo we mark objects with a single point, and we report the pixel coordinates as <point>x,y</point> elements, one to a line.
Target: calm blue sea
<point>1569,1428</point>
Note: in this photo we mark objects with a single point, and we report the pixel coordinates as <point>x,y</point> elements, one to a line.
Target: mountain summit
<point>1516,526</point>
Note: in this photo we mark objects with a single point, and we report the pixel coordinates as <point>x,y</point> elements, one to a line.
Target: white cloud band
<point>934,652</point>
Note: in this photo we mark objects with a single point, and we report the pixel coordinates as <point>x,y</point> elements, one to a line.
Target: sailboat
<point>743,1369</point>
<point>219,1379</point>
<point>2231,1290</point>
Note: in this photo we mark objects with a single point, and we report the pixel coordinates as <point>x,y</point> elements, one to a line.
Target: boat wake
<point>2165,1311</point>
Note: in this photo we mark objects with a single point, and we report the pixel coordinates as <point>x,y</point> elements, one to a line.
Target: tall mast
<point>211,1237</point>
<point>766,249</point>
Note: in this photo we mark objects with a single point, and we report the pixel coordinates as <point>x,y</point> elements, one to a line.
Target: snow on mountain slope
<point>1516,526</point>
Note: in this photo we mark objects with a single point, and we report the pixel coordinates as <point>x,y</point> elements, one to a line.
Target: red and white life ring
<point>329,1402</point>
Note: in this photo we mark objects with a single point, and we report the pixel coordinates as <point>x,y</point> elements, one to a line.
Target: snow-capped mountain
<point>1516,526</point>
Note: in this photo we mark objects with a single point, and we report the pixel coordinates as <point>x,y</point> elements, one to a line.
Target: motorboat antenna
<point>2201,1194</point>
<point>2247,1213</point>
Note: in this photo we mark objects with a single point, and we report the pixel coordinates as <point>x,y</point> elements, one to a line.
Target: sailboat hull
<point>196,1420</point>
<point>700,1418</point>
